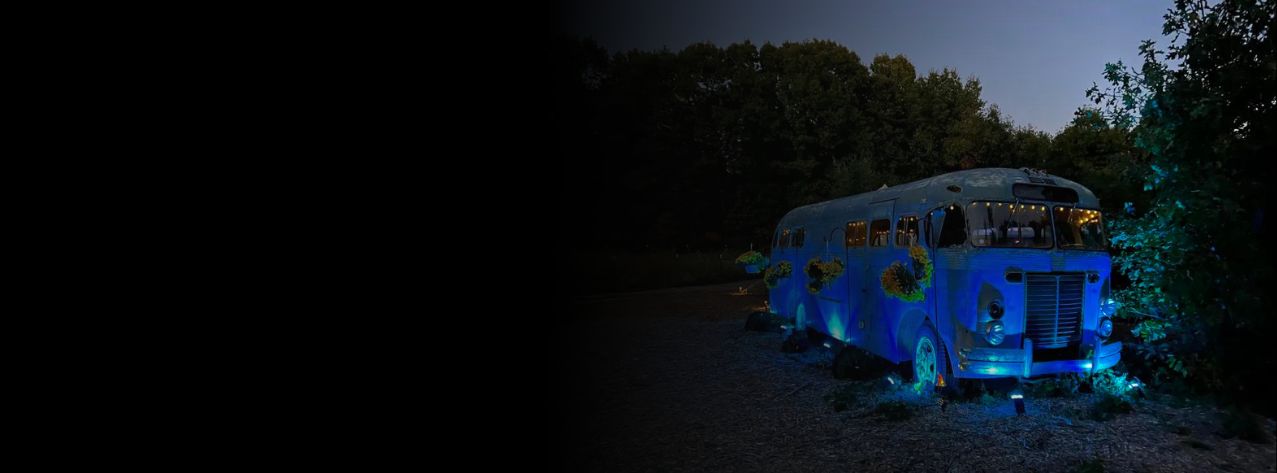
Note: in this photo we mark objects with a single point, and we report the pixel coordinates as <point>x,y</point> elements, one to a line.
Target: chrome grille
<point>1053,309</point>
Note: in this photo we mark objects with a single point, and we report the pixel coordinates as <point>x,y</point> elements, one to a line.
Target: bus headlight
<point>1105,329</point>
<point>1108,307</point>
<point>994,332</point>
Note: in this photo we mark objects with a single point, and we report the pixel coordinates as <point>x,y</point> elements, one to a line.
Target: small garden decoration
<point>752,261</point>
<point>774,274</point>
<point>820,274</point>
<point>905,281</point>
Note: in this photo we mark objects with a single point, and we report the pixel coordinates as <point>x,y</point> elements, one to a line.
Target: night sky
<point>1034,59</point>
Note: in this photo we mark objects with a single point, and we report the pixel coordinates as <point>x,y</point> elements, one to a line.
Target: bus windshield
<point>1007,225</point>
<point>1079,229</point>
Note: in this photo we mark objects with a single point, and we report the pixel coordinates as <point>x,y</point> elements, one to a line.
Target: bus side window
<point>879,231</point>
<point>856,234</point>
<point>953,232</point>
<point>799,235</point>
<point>784,239</point>
<point>906,231</point>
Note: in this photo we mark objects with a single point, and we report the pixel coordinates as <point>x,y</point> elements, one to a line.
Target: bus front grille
<point>1053,309</point>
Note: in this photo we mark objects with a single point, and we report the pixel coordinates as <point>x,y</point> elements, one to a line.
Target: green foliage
<point>820,274</point>
<point>751,257</point>
<point>1198,270</point>
<point>893,410</point>
<point>1111,383</point>
<point>776,272</point>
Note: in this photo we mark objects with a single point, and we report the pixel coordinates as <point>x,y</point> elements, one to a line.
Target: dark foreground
<point>669,381</point>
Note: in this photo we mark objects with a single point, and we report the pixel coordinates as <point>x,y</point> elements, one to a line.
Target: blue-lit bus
<point>981,273</point>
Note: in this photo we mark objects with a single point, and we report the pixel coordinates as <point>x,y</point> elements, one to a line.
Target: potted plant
<point>752,261</point>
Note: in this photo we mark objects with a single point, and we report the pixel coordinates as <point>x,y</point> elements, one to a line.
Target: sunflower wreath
<point>820,274</point>
<point>905,281</point>
<point>776,272</point>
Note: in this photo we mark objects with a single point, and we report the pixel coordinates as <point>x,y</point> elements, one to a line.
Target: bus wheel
<point>926,356</point>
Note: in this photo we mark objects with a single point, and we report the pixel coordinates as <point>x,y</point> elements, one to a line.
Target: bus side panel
<point>879,323</point>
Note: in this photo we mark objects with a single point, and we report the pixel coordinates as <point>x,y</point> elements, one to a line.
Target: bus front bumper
<point>1003,362</point>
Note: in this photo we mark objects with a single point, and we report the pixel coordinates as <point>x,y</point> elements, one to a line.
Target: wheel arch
<point>907,330</point>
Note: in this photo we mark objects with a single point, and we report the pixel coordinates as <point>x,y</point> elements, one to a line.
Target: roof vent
<point>1038,176</point>
<point>953,188</point>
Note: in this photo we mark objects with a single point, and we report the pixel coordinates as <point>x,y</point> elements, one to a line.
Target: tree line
<point>708,147</point>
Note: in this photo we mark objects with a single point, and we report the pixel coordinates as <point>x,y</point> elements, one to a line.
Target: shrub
<point>1111,383</point>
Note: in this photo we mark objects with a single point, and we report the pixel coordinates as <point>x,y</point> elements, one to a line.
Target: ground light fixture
<point>1019,403</point>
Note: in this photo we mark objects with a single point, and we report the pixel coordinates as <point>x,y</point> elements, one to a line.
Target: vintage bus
<point>982,273</point>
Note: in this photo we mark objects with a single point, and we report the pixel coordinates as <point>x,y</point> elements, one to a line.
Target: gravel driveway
<point>669,380</point>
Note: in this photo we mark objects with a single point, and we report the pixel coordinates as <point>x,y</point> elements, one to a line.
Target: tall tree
<point>1200,268</point>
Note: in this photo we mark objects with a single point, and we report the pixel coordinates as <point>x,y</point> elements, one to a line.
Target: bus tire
<point>927,360</point>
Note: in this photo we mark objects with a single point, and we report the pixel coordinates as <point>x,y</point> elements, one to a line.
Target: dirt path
<point>668,380</point>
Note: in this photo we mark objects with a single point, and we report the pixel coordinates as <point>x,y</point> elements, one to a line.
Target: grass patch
<point>1108,407</point>
<point>893,410</point>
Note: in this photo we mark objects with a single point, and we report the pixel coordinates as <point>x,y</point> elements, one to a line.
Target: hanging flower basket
<point>752,261</point>
<point>774,274</point>
<point>820,274</point>
<point>906,281</point>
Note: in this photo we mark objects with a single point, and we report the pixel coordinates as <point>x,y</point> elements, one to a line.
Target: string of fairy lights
<point>1078,216</point>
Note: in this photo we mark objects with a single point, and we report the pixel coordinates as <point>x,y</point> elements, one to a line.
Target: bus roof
<point>972,184</point>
